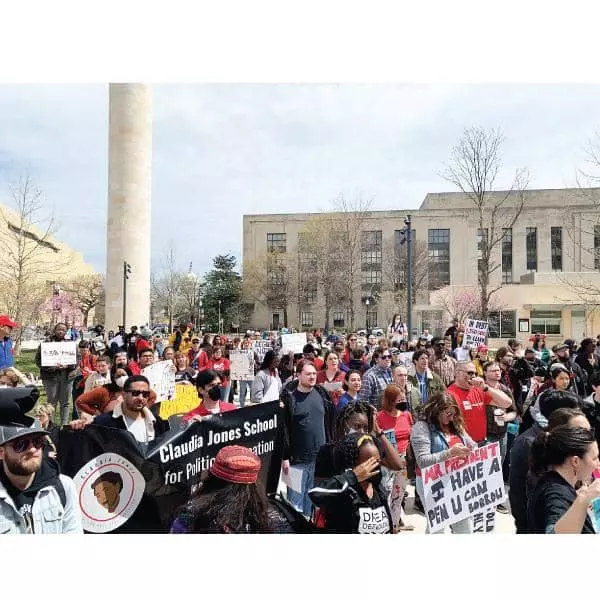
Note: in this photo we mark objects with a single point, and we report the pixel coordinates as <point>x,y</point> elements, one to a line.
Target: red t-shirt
<point>339,378</point>
<point>472,405</point>
<point>219,366</point>
<point>202,411</point>
<point>402,425</point>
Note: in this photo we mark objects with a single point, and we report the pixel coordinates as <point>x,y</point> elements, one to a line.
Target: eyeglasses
<point>384,356</point>
<point>353,340</point>
<point>136,393</point>
<point>23,444</point>
<point>469,373</point>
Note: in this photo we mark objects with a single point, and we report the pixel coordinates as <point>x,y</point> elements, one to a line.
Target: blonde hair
<point>46,409</point>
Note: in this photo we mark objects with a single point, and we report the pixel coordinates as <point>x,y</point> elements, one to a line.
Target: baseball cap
<point>6,321</point>
<point>559,347</point>
<point>569,343</point>
<point>236,464</point>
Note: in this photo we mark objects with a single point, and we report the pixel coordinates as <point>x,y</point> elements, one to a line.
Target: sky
<point>224,150</point>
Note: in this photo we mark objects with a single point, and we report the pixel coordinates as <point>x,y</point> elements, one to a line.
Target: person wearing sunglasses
<point>472,395</point>
<point>34,497</point>
<point>376,379</point>
<point>132,413</point>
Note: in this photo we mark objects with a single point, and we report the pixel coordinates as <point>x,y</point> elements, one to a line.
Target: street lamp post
<point>407,231</point>
<point>219,316</point>
<point>367,316</point>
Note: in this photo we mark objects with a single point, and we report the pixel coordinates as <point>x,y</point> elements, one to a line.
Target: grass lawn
<point>26,364</point>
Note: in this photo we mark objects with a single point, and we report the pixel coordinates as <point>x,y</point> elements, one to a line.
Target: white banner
<point>460,488</point>
<point>161,375</point>
<point>293,342</point>
<point>242,364</point>
<point>475,333</point>
<point>59,353</point>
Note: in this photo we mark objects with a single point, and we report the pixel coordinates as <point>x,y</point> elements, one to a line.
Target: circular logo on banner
<point>110,489</point>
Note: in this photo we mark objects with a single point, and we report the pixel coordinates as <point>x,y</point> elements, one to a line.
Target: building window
<point>556,248</point>
<point>597,247</point>
<point>370,257</point>
<point>306,319</point>
<point>502,324</point>
<point>307,289</point>
<point>438,251</point>
<point>482,239</point>
<point>338,319</point>
<point>371,240</point>
<point>531,248</point>
<point>370,260</point>
<point>370,277</point>
<point>547,322</point>
<point>507,255</point>
<point>371,319</point>
<point>276,242</point>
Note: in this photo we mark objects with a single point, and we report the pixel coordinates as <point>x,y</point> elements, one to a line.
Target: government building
<point>547,265</point>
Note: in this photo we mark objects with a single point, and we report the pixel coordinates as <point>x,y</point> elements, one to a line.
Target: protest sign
<point>406,358</point>
<point>484,522</point>
<point>58,353</point>
<point>475,333</point>
<point>261,347</point>
<point>293,342</point>
<point>461,488</point>
<point>162,379</point>
<point>144,484</point>
<point>186,398</point>
<point>242,364</point>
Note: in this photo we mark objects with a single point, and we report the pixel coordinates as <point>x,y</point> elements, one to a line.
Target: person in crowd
<point>208,385</point>
<point>267,384</point>
<point>351,344</point>
<point>412,393</point>
<point>424,379</point>
<point>588,362</point>
<point>452,333</point>
<point>197,356</point>
<point>505,358</point>
<point>339,349</point>
<point>480,358</point>
<point>181,339</point>
<point>143,341</point>
<point>352,386</point>
<point>100,376</point>
<point>57,379</point>
<point>472,395</point>
<point>566,457</point>
<point>105,398</point>
<point>45,415</point>
<point>395,420</point>
<point>332,377</point>
<point>309,352</point>
<point>246,385</point>
<point>132,413</point>
<point>539,345</point>
<point>158,343</point>
<point>6,343</point>
<point>439,435</point>
<point>576,374</point>
<point>309,422</point>
<point>145,359</point>
<point>442,364</point>
<point>168,354</point>
<point>354,501</point>
<point>131,339</point>
<point>8,378</point>
<point>519,455</point>
<point>222,366</point>
<point>230,500</point>
<point>396,330</point>
<point>377,378</point>
<point>184,374</point>
<point>560,379</point>
<point>591,404</point>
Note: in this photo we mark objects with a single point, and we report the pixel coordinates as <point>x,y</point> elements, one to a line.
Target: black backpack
<point>291,521</point>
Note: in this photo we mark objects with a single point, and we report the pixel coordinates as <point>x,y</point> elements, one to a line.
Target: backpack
<point>291,520</point>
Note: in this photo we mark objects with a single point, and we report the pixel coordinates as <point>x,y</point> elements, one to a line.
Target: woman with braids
<point>229,500</point>
<point>566,457</point>
<point>354,501</point>
<point>438,436</point>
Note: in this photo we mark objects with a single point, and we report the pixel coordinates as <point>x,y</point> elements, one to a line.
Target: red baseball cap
<point>482,348</point>
<point>5,321</point>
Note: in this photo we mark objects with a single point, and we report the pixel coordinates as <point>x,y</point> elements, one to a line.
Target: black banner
<point>128,487</point>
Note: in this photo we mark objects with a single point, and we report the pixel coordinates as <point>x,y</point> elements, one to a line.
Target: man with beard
<point>34,496</point>
<point>562,357</point>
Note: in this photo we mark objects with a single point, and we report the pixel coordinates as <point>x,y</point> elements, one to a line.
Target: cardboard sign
<point>162,379</point>
<point>58,353</point>
<point>293,342</point>
<point>261,347</point>
<point>242,364</point>
<point>461,488</point>
<point>475,333</point>
<point>186,399</point>
<point>406,358</point>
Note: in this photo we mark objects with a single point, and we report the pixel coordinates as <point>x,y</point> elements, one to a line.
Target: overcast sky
<point>221,151</point>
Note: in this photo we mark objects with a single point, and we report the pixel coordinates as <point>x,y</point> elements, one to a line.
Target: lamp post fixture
<point>407,231</point>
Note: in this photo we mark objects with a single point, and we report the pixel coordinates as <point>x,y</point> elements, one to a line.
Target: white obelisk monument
<point>128,222</point>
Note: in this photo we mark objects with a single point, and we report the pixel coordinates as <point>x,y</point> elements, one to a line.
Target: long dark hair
<point>439,402</point>
<point>345,453</point>
<point>270,356</point>
<point>220,506</point>
<point>112,387</point>
<point>551,449</point>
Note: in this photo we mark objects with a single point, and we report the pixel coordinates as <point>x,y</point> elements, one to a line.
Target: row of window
<point>339,319</point>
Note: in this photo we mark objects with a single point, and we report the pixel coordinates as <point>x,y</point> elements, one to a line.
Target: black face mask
<point>214,393</point>
<point>402,406</point>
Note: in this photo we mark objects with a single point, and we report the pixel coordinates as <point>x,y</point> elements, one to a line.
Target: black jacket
<point>289,402</point>
<point>578,376</point>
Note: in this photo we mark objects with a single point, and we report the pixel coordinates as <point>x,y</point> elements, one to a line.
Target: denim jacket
<point>48,513</point>
<point>430,446</point>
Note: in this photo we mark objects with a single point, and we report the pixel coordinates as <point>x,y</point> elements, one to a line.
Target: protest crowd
<point>277,432</point>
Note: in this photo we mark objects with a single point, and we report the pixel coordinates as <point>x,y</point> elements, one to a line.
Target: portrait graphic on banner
<point>109,490</point>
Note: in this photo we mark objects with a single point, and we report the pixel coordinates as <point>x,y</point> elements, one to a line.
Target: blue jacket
<point>6,353</point>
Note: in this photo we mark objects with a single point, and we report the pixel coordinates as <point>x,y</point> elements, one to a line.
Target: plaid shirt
<point>444,367</point>
<point>375,380</point>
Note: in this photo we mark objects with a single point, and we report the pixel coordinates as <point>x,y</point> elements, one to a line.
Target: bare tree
<point>85,291</point>
<point>463,304</point>
<point>30,255</point>
<point>165,286</point>
<point>473,169</point>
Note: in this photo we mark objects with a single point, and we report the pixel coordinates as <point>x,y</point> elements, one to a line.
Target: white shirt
<point>141,429</point>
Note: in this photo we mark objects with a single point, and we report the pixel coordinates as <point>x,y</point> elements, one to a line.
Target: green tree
<point>223,288</point>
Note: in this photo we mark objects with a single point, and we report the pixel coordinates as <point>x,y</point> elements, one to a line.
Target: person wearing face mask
<point>396,421</point>
<point>105,398</point>
<point>354,501</point>
<point>567,457</point>
<point>208,386</point>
